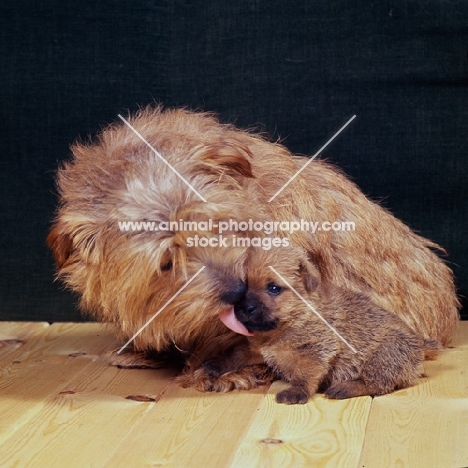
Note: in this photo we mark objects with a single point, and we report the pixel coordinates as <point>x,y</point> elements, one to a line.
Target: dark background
<point>294,69</point>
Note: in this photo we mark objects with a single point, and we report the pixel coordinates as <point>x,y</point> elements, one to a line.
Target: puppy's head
<point>277,283</point>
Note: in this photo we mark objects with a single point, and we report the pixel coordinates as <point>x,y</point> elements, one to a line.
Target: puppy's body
<point>125,277</point>
<point>353,348</point>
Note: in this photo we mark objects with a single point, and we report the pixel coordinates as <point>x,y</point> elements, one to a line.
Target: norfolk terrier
<point>316,335</point>
<point>168,166</point>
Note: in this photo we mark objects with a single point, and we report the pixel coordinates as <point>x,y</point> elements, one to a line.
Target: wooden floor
<point>62,406</point>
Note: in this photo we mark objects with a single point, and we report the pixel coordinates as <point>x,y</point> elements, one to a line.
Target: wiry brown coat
<point>320,336</point>
<point>125,277</point>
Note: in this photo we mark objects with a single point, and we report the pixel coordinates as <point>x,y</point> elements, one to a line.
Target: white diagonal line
<point>315,312</point>
<point>158,154</point>
<point>160,310</point>
<point>312,158</point>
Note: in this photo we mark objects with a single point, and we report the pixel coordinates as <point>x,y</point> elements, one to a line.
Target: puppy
<point>318,335</point>
<point>166,166</point>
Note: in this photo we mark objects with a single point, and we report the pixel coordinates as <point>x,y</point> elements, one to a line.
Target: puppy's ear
<point>310,275</point>
<point>226,157</point>
<point>61,246</point>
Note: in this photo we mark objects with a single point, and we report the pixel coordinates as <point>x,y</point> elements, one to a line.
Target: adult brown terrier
<point>177,165</point>
<point>318,335</point>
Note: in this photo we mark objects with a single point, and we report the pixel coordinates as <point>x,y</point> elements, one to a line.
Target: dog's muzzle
<point>254,315</point>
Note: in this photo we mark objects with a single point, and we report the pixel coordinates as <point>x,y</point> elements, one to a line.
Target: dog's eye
<point>273,288</point>
<point>167,266</point>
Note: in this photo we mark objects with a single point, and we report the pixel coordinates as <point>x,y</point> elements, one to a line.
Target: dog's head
<point>126,273</point>
<point>188,277</point>
<point>277,282</point>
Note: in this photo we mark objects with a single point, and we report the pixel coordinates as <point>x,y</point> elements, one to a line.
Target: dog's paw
<point>245,379</point>
<point>215,367</point>
<point>131,359</point>
<point>201,383</point>
<point>205,381</point>
<point>293,396</point>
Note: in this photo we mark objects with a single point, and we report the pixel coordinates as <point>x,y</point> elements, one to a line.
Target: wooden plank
<point>426,425</point>
<point>61,403</point>
<point>43,366</point>
<point>190,429</point>
<point>83,423</point>
<point>66,338</point>
<point>20,329</point>
<point>14,335</point>
<point>322,433</point>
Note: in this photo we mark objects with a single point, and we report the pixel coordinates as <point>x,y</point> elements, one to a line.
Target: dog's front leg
<point>242,369</point>
<point>304,373</point>
<point>238,369</point>
<point>234,361</point>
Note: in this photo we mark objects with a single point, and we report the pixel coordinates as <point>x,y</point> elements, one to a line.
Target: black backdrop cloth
<point>297,70</point>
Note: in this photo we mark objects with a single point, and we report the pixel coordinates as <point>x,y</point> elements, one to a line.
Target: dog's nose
<point>235,293</point>
<point>250,308</point>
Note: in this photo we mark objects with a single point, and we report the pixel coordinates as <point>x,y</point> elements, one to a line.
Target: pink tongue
<point>230,320</point>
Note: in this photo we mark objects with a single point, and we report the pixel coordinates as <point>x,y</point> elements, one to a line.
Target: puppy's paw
<point>347,389</point>
<point>293,396</point>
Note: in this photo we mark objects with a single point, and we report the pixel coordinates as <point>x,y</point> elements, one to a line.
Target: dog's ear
<point>310,275</point>
<point>61,245</point>
<point>226,157</point>
<point>68,245</point>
